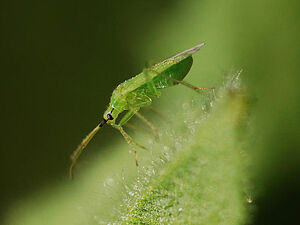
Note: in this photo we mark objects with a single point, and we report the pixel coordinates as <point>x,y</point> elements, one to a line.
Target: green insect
<point>137,92</point>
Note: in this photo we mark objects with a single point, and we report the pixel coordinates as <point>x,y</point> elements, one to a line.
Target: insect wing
<point>184,54</point>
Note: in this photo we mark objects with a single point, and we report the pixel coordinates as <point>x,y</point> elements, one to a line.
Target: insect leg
<point>192,86</point>
<point>160,114</point>
<point>126,118</point>
<point>127,137</point>
<point>129,140</point>
<point>154,129</point>
<point>131,126</point>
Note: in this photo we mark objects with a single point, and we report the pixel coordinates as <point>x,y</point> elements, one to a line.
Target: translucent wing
<point>186,53</point>
<point>159,67</point>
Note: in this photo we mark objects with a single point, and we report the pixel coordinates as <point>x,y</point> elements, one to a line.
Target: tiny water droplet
<point>249,200</point>
<point>185,105</point>
<point>108,182</point>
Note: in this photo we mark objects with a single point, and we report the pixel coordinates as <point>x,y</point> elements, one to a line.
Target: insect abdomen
<point>178,72</point>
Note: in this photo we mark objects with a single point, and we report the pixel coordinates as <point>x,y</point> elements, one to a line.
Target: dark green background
<point>61,60</point>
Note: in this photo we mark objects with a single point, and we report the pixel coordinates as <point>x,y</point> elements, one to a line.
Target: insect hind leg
<point>192,86</point>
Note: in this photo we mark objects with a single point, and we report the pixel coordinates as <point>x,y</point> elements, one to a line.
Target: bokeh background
<point>60,61</point>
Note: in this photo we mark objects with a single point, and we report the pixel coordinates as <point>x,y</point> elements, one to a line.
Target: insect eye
<point>109,116</point>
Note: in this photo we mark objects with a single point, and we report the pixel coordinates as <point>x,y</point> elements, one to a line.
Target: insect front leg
<point>126,117</point>
<point>138,100</point>
<point>192,86</point>
<point>123,121</point>
<point>129,140</point>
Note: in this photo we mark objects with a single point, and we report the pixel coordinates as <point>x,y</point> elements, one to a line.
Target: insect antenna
<point>82,146</point>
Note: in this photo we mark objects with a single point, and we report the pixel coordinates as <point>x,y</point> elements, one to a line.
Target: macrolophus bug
<point>137,92</point>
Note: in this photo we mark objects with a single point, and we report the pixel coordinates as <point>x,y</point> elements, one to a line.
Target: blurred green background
<point>60,61</point>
